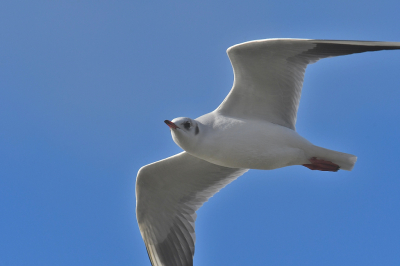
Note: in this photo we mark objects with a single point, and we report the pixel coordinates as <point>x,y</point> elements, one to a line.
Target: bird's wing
<point>269,75</point>
<point>168,194</point>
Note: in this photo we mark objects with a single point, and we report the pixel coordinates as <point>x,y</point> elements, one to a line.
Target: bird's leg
<point>322,165</point>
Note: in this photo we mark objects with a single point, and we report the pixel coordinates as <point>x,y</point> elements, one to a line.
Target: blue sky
<point>86,85</point>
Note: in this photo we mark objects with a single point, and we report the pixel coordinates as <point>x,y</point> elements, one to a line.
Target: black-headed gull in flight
<point>253,128</point>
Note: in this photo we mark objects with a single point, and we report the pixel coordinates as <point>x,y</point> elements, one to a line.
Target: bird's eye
<point>186,125</point>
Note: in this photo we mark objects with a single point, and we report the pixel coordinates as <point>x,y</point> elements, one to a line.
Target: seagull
<point>253,128</point>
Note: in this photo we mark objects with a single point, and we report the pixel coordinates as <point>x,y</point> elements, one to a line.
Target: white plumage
<point>253,128</point>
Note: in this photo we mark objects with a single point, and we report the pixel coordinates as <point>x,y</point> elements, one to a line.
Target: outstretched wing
<point>269,75</point>
<point>168,193</point>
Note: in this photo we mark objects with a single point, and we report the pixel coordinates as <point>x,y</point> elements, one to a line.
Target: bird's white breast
<point>252,144</point>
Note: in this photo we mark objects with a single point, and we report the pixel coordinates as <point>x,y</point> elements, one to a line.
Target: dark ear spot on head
<point>197,130</point>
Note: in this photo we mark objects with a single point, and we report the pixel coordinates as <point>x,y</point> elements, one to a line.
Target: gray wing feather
<point>168,194</point>
<point>269,75</point>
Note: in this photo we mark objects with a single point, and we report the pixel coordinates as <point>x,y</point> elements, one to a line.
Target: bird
<point>253,128</point>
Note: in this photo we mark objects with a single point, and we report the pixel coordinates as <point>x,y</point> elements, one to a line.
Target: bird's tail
<point>344,160</point>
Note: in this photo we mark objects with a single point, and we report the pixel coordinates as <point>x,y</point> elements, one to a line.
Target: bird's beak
<point>170,124</point>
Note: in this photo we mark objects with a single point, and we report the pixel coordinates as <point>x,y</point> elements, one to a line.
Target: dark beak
<point>170,124</point>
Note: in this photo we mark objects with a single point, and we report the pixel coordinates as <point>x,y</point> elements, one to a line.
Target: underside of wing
<point>269,75</point>
<point>168,193</point>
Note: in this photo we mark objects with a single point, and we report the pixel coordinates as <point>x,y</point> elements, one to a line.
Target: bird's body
<point>256,144</point>
<point>253,128</point>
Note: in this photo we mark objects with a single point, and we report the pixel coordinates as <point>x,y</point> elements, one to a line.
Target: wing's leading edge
<point>168,193</point>
<point>269,75</point>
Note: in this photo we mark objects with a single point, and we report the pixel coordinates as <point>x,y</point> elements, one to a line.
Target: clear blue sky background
<point>86,85</point>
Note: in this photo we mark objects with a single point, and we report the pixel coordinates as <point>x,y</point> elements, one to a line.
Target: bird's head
<point>185,132</point>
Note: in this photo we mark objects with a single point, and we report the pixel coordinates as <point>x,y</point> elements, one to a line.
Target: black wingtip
<point>326,49</point>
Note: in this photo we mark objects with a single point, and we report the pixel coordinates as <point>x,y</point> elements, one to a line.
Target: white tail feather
<point>344,160</point>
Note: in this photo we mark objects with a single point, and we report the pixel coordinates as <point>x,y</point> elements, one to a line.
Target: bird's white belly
<point>254,145</point>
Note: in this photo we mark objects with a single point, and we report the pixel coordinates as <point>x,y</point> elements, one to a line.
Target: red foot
<point>322,165</point>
